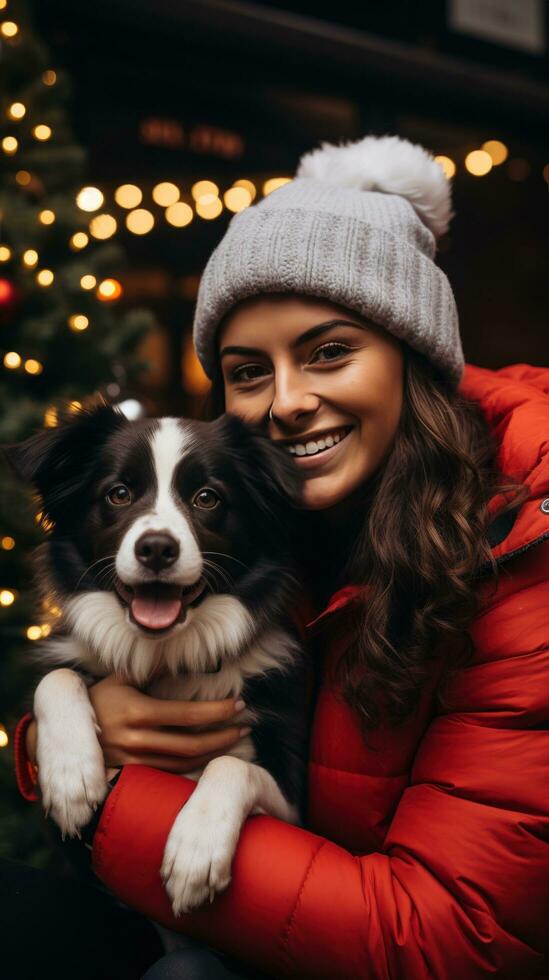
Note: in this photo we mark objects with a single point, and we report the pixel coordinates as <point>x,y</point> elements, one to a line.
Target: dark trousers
<point>58,928</point>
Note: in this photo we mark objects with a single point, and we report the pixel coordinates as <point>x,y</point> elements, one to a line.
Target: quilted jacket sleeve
<point>461,890</point>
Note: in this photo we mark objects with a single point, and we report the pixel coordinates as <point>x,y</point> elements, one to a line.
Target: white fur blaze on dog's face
<point>169,444</point>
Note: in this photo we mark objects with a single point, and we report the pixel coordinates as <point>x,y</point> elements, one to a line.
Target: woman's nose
<point>292,398</point>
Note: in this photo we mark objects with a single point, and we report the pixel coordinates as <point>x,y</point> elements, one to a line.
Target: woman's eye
<point>245,372</point>
<point>119,495</point>
<point>332,351</point>
<point>206,499</point>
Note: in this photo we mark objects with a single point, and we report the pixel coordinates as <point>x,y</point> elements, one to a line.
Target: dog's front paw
<point>73,784</point>
<point>198,857</point>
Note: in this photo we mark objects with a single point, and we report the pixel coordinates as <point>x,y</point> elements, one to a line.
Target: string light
<point>248,185</point>
<point>109,289</point>
<point>50,417</point>
<point>42,132</point>
<point>23,178</point>
<point>88,282</point>
<point>79,240</point>
<point>74,407</point>
<point>497,150</point>
<point>179,214</point>
<point>12,360</point>
<point>447,165</point>
<point>128,196</point>
<point>5,253</point>
<point>34,632</point>
<point>16,110</point>
<point>45,277</point>
<point>237,198</point>
<point>3,737</point>
<point>30,257</point>
<point>9,28</point>
<point>165,194</point>
<point>7,597</point>
<point>478,163</point>
<point>273,184</point>
<point>33,366</point>
<point>45,629</point>
<point>49,77</point>
<point>89,199</point>
<point>3,4</point>
<point>9,145</point>
<point>47,217</point>
<point>203,187</point>
<point>103,226</point>
<point>140,221</point>
<point>209,206</point>
<point>78,322</point>
<point>7,542</point>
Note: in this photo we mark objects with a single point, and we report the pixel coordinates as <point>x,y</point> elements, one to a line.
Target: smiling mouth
<point>158,606</point>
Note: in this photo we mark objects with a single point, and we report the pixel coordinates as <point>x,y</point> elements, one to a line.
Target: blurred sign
<point>200,138</point>
<point>513,23</point>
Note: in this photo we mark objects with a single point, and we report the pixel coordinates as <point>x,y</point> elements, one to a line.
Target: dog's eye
<point>119,495</point>
<point>206,499</point>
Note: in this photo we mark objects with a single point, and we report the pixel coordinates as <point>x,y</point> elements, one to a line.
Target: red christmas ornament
<point>10,298</point>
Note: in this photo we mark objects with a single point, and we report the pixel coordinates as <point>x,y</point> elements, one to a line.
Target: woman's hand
<point>141,730</point>
<point>135,728</point>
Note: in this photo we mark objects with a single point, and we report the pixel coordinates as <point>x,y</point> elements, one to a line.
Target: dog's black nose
<point>156,550</point>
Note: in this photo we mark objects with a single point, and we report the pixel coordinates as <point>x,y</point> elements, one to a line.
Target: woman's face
<point>328,374</point>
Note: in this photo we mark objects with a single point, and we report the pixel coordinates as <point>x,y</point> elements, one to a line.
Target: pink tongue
<point>156,614</point>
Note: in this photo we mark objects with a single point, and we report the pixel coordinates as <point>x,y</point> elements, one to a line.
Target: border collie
<point>170,557</point>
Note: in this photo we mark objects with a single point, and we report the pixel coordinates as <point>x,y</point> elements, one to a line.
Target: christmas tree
<point>63,343</point>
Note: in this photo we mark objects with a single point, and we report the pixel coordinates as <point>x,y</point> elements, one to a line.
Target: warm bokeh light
<point>89,199</point>
<point>49,77</point>
<point>79,240</point>
<point>42,132</point>
<point>16,110</point>
<point>6,597</point>
<point>103,226</point>
<point>140,221</point>
<point>447,165</point>
<point>45,277</point>
<point>30,257</point>
<point>5,253</point>
<point>545,172</point>
<point>497,150</point>
<point>34,632</point>
<point>209,206</point>
<point>45,629</point>
<point>193,378</point>
<point>7,542</point>
<point>88,282</point>
<point>47,217</point>
<point>74,406</point>
<point>237,198</point>
<point>78,322</point>
<point>12,360</point>
<point>109,289</point>
<point>273,184</point>
<point>248,185</point>
<point>50,417</point>
<point>128,196</point>
<point>9,145</point>
<point>9,28</point>
<point>32,366</point>
<point>203,187</point>
<point>23,178</point>
<point>478,163</point>
<point>179,214</point>
<point>518,169</point>
<point>165,194</point>
<point>3,737</point>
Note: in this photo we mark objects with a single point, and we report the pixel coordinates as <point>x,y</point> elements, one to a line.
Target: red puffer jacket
<point>427,857</point>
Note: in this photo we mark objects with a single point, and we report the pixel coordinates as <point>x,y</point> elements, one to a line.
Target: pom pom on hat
<point>390,165</point>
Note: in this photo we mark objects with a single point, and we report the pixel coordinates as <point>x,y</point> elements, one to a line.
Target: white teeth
<point>311,448</point>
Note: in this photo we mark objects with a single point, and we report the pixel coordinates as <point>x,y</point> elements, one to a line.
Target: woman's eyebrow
<point>310,334</point>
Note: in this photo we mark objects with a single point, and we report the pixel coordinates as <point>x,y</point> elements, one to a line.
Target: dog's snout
<point>156,550</point>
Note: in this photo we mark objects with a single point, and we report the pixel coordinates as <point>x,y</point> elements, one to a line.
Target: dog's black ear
<point>56,460</point>
<point>269,470</point>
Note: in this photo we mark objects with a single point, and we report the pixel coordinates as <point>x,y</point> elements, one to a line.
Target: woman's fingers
<point>158,713</point>
<point>174,764</point>
<point>182,744</point>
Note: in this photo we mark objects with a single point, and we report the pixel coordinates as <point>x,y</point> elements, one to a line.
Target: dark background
<point>182,91</point>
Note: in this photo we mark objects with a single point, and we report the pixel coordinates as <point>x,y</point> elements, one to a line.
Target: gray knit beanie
<point>358,226</point>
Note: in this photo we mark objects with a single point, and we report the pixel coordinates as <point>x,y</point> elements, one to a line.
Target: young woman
<point>425,556</point>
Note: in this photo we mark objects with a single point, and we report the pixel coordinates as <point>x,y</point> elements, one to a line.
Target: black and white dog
<point>170,557</point>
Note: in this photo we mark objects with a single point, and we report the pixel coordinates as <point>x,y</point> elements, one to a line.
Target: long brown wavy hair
<point>420,545</point>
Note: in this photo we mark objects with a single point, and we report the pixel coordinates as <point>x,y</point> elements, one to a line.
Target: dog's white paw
<point>198,854</point>
<point>73,782</point>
